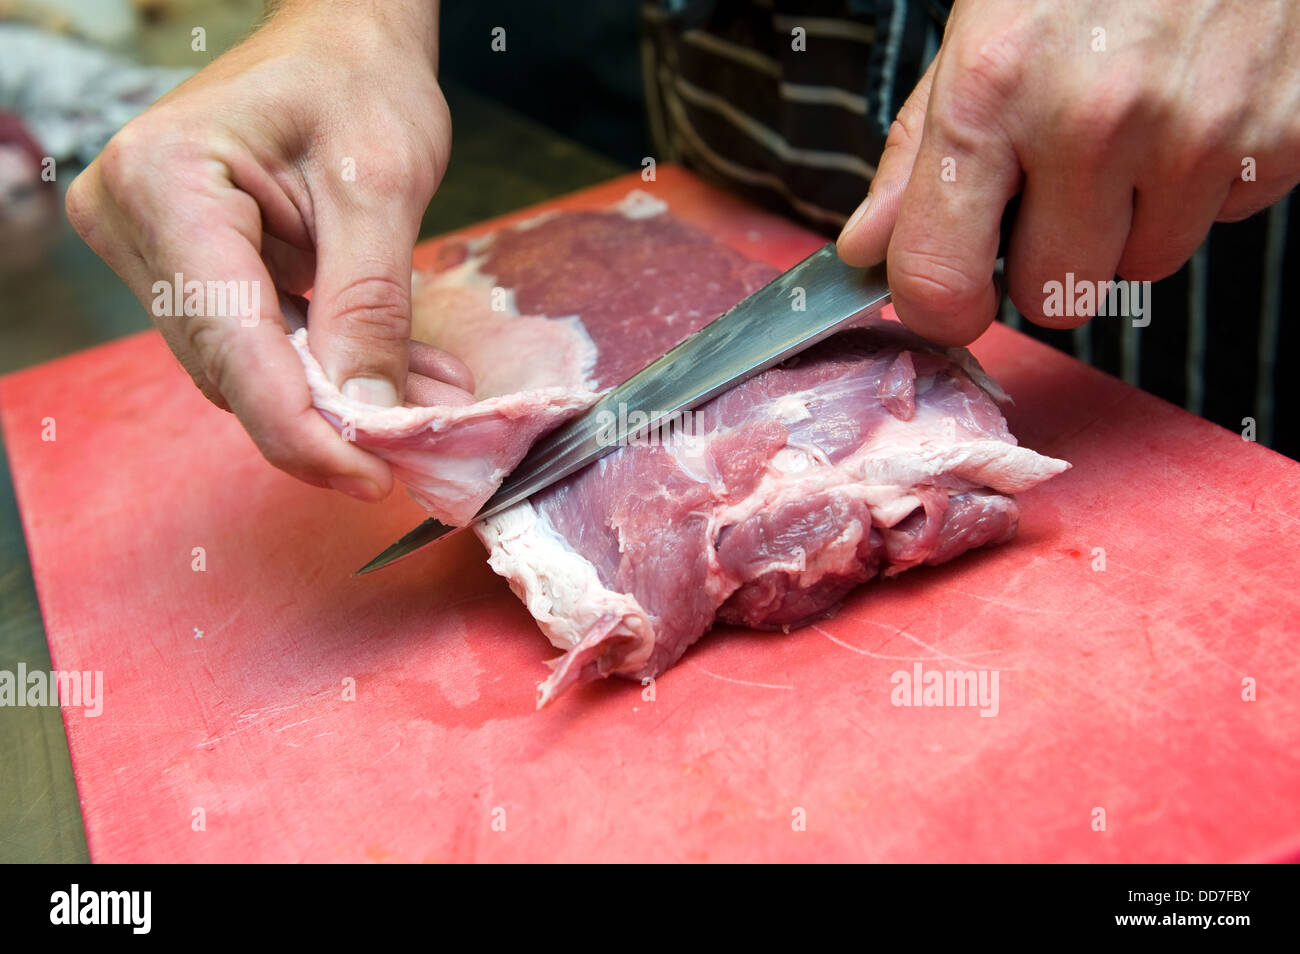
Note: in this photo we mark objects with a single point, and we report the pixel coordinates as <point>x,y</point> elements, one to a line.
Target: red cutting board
<point>1119,689</point>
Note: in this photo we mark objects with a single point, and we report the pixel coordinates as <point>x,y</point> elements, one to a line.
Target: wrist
<point>409,24</point>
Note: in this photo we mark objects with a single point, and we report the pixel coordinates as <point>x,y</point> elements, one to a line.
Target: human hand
<point>303,158</point>
<point>1129,128</point>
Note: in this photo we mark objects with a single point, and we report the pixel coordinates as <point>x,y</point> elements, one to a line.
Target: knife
<point>758,333</point>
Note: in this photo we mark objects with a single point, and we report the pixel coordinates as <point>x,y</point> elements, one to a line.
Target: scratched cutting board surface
<point>1120,690</point>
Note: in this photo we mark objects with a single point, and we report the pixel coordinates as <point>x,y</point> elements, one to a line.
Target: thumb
<point>359,321</point>
<point>865,237</point>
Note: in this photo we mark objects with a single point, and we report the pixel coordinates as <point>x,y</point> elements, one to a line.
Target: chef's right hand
<point>1126,129</point>
<point>303,158</point>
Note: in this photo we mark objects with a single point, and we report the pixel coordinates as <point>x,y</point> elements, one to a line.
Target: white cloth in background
<point>73,96</point>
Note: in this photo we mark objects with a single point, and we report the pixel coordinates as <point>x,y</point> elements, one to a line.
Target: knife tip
<point>373,565</point>
<point>426,533</point>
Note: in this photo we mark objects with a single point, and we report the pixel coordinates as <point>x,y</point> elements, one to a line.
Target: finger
<point>422,391</point>
<point>435,363</point>
<point>1070,230</point>
<point>360,316</point>
<point>1169,225</point>
<point>1246,198</point>
<point>945,239</point>
<point>865,237</point>
<point>204,230</point>
<point>250,362</point>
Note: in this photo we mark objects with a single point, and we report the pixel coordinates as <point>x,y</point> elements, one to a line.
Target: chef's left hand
<point>1129,127</point>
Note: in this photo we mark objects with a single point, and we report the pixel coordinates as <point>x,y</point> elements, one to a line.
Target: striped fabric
<point>799,130</point>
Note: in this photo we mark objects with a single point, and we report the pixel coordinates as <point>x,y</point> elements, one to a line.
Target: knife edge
<point>754,335</point>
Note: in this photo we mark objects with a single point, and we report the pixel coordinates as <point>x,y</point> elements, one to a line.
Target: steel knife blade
<point>792,312</point>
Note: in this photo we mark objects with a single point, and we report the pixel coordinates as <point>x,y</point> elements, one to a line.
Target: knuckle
<point>966,122</point>
<point>404,170</point>
<point>119,159</point>
<point>373,308</point>
<point>283,449</point>
<point>391,172</point>
<point>906,129</point>
<point>1096,117</point>
<point>934,281</point>
<point>421,178</point>
<point>1209,141</point>
<point>81,206</point>
<point>900,135</point>
<point>990,69</point>
<point>289,443</point>
<point>960,126</point>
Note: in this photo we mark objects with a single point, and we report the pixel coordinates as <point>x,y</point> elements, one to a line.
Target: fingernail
<point>360,487</point>
<point>856,217</point>
<point>377,391</point>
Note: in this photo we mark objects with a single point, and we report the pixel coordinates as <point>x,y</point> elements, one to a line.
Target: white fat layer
<point>528,223</point>
<point>641,205</point>
<point>934,444</point>
<point>835,556</point>
<point>884,472</point>
<point>394,421</point>
<point>791,409</point>
<point>464,275</point>
<point>544,350</point>
<point>883,476</point>
<point>560,587</point>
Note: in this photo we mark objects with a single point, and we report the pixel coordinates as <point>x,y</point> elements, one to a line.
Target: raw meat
<point>545,315</point>
<point>869,454</point>
<point>451,458</point>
